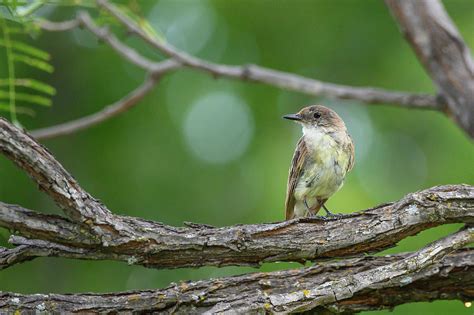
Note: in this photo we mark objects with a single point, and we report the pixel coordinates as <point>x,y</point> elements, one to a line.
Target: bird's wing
<point>351,163</point>
<point>295,173</point>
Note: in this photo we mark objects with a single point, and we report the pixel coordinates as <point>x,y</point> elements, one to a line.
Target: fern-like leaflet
<point>18,18</point>
<point>18,52</point>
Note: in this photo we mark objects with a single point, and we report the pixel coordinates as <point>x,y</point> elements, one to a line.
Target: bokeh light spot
<point>187,25</point>
<point>218,127</point>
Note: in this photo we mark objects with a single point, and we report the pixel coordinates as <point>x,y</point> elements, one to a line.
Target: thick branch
<point>443,53</point>
<point>450,278</point>
<point>29,249</point>
<point>397,272</point>
<point>48,227</point>
<point>19,254</point>
<point>156,245</point>
<point>51,177</point>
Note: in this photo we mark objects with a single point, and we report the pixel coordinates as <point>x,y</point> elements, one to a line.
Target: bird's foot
<point>333,216</point>
<point>330,215</point>
<point>312,215</point>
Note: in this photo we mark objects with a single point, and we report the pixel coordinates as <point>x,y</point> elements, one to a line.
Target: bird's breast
<point>325,167</point>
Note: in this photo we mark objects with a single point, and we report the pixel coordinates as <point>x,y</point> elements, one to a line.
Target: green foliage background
<point>141,163</point>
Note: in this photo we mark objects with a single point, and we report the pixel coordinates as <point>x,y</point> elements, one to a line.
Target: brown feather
<point>352,157</point>
<point>295,172</point>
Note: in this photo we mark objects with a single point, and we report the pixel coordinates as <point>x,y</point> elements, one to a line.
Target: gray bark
<point>450,278</point>
<point>156,245</point>
<point>153,244</point>
<point>443,52</point>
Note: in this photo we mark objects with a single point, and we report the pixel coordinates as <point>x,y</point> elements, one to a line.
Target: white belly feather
<point>324,170</point>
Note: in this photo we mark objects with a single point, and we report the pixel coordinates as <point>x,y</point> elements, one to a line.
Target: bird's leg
<point>329,214</point>
<point>309,213</point>
<point>306,204</point>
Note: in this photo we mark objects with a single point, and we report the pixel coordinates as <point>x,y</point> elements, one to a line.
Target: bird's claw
<point>329,216</point>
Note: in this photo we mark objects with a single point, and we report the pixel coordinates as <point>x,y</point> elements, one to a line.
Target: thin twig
<point>156,70</point>
<point>277,78</point>
<point>125,51</point>
<point>109,111</point>
<point>58,26</point>
<point>253,73</point>
<point>84,19</point>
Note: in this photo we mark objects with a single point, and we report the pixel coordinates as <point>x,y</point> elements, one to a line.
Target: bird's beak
<point>296,117</point>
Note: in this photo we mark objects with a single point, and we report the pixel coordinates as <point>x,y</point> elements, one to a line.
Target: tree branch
<point>155,245</point>
<point>179,59</point>
<point>155,70</point>
<point>399,272</point>
<point>29,249</point>
<point>39,248</point>
<point>51,177</point>
<point>450,278</point>
<point>49,227</point>
<point>83,19</point>
<point>110,111</point>
<point>277,78</point>
<point>59,26</point>
<point>443,53</point>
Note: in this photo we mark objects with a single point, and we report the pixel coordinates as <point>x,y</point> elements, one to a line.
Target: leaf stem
<point>11,71</point>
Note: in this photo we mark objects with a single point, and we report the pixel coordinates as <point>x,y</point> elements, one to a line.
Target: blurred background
<point>217,151</point>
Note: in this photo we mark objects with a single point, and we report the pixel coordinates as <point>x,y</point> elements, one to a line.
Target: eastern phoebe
<point>323,156</point>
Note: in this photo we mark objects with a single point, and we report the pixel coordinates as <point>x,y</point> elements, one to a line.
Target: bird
<point>323,157</point>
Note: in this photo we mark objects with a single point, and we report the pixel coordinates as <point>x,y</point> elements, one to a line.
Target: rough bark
<point>450,278</point>
<point>442,51</point>
<point>50,176</point>
<point>156,245</point>
<point>137,241</point>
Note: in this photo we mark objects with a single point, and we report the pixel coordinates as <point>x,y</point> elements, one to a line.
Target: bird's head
<point>319,117</point>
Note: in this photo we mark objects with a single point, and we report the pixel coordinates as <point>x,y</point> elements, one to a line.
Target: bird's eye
<point>317,115</point>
